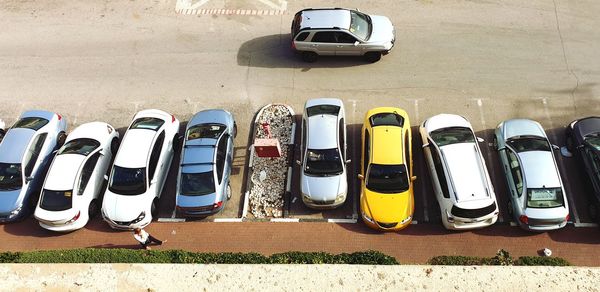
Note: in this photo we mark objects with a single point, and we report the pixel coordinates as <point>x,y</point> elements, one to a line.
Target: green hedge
<point>93,255</point>
<point>502,258</point>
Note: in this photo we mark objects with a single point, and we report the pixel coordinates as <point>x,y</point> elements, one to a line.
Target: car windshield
<point>83,146</point>
<point>56,200</point>
<point>147,123</point>
<point>128,181</point>
<point>386,119</point>
<point>453,135</point>
<point>593,140</point>
<point>323,109</point>
<point>323,162</point>
<point>30,123</point>
<point>360,25</point>
<point>387,178</point>
<point>10,176</point>
<point>212,131</point>
<point>524,144</point>
<point>197,184</point>
<point>544,198</point>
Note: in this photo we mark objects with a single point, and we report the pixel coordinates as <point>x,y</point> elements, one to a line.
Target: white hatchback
<point>459,176</point>
<point>140,170</point>
<point>71,192</point>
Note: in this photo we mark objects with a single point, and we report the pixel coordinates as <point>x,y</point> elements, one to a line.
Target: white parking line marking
<point>585,224</point>
<point>171,220</point>
<point>342,220</point>
<point>228,220</point>
<point>561,164</point>
<point>285,220</point>
<point>174,213</point>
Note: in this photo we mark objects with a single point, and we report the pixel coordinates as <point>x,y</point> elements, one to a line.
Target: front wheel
<point>93,208</point>
<point>154,208</point>
<point>510,210</point>
<point>114,146</point>
<point>373,56</point>
<point>228,190</point>
<point>234,130</point>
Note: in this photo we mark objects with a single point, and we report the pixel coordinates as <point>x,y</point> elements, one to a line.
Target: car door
<point>438,173</point>
<point>342,141</point>
<point>33,159</point>
<point>324,42</point>
<point>592,165</point>
<point>346,45</point>
<point>515,180</point>
<point>154,169</point>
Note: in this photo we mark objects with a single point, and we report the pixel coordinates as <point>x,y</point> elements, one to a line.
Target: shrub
<point>502,258</point>
<point>541,261</point>
<point>9,257</point>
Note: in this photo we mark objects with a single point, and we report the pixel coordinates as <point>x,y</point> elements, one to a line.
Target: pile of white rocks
<point>269,174</point>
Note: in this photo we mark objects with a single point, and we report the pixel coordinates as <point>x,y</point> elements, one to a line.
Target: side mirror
<point>298,162</point>
<point>480,140</point>
<point>413,178</point>
<point>425,145</point>
<point>361,177</point>
<point>356,43</point>
<point>554,147</point>
<point>105,177</point>
<point>348,161</point>
<point>29,178</point>
<point>153,181</point>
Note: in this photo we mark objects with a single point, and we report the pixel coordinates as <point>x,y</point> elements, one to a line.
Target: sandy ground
<point>142,277</point>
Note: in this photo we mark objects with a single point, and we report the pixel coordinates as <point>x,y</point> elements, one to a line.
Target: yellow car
<point>386,194</point>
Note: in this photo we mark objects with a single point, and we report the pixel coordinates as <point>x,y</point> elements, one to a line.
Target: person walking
<point>145,239</point>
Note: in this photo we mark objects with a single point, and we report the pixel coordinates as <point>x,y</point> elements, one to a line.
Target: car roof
<point>210,116</point>
<point>198,154</point>
<point>324,101</point>
<point>442,121</point>
<point>14,144</point>
<point>94,130</point>
<point>38,114</point>
<point>523,127</point>
<point>325,18</point>
<point>466,171</point>
<point>63,172</point>
<point>586,126</point>
<point>322,132</point>
<point>539,169</point>
<point>135,148</point>
<point>387,147</point>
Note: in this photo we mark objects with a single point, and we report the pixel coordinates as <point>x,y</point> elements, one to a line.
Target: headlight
<point>450,217</point>
<point>367,217</point>
<point>139,218</point>
<point>406,220</point>
<point>341,197</point>
<point>16,211</point>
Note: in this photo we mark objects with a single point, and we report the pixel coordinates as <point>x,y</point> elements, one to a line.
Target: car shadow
<point>29,227</point>
<point>274,51</point>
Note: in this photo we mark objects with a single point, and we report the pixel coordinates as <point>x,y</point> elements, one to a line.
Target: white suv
<point>341,32</point>
<point>459,176</point>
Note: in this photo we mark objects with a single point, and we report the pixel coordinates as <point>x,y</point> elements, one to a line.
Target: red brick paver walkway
<point>414,245</point>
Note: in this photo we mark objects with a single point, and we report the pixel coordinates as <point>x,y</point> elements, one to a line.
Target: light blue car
<point>25,153</point>
<point>203,179</point>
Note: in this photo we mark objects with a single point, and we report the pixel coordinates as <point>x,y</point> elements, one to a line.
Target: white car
<point>140,170</point>
<point>323,177</point>
<point>459,176</point>
<point>71,192</point>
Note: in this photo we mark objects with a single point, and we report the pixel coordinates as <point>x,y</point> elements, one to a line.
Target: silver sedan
<point>537,195</point>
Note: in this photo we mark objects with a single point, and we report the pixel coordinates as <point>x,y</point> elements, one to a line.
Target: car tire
<point>60,139</point>
<point>228,190</point>
<point>93,208</point>
<point>495,143</point>
<point>309,57</point>
<point>154,208</point>
<point>593,211</point>
<point>114,146</point>
<point>176,144</point>
<point>510,210</point>
<point>373,57</point>
<point>569,142</point>
<point>234,130</point>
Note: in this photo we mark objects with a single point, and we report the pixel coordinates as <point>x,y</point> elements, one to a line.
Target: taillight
<point>218,205</point>
<point>568,217</point>
<point>524,219</point>
<point>59,117</point>
<point>74,218</point>
<point>172,118</point>
<point>293,45</point>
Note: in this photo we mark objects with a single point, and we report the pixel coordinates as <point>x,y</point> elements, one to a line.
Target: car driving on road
<point>25,153</point>
<point>537,197</point>
<point>323,176</point>
<point>386,174</point>
<point>203,186</point>
<point>140,170</point>
<point>71,193</point>
<point>458,173</point>
<point>341,32</point>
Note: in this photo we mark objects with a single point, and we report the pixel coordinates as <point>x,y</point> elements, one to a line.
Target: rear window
<point>56,200</point>
<point>544,198</point>
<point>30,123</point>
<point>197,184</point>
<point>83,146</point>
<point>473,213</point>
<point>386,119</point>
<point>323,109</point>
<point>211,131</point>
<point>147,123</point>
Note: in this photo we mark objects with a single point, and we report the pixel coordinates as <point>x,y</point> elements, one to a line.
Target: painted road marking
<point>188,7</point>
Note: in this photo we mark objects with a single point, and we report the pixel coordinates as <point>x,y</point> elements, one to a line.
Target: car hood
<point>323,188</point>
<point>125,208</point>
<point>539,169</point>
<point>522,127</point>
<point>383,30</point>
<point>10,200</point>
<point>388,208</point>
<point>196,201</point>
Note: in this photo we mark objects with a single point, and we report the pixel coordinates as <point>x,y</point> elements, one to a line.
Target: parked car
<point>386,174</point>
<point>203,186</point>
<point>537,197</point>
<point>458,172</point>
<point>341,32</point>
<point>2,131</point>
<point>71,193</point>
<point>323,160</point>
<point>24,155</point>
<point>140,170</point>
<point>583,140</point>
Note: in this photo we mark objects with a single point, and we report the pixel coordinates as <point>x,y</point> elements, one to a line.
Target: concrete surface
<point>167,277</point>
